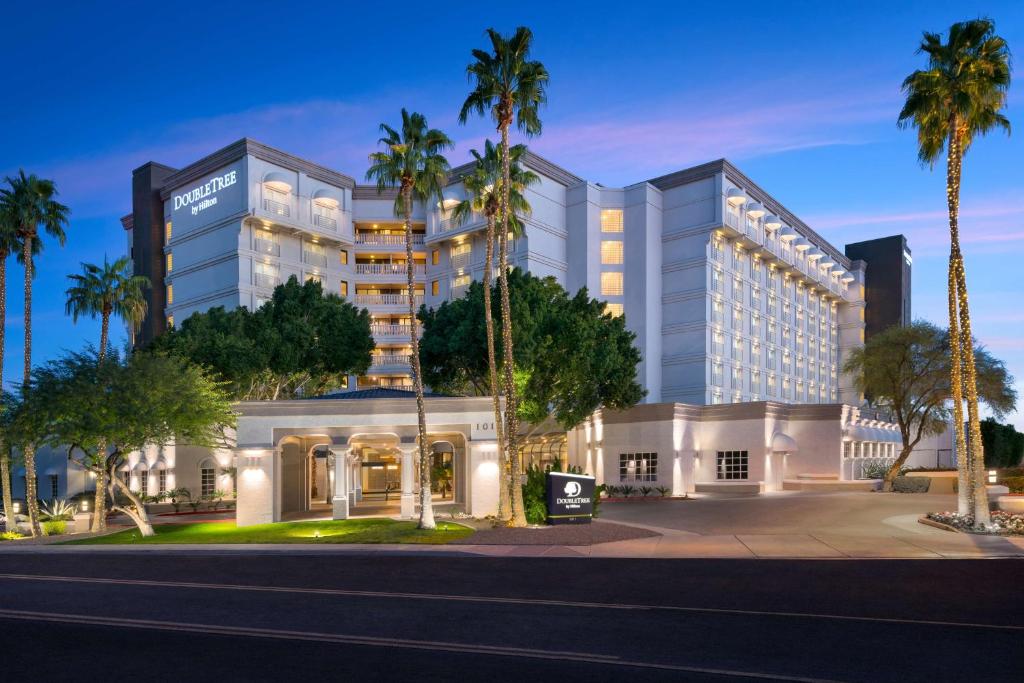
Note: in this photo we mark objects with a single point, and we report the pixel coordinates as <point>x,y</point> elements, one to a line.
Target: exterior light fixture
<point>735,197</point>
<point>85,505</point>
<point>991,476</point>
<point>755,210</point>
<point>772,222</point>
<point>17,507</point>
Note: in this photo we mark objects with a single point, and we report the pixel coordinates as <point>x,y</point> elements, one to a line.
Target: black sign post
<point>570,498</point>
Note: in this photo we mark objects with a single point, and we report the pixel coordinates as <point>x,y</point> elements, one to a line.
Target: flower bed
<point>1003,523</point>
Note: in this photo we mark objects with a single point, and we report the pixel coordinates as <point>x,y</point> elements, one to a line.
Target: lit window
<point>611,220</point>
<point>461,255</point>
<point>344,288</point>
<point>638,467</point>
<point>167,232</point>
<point>611,284</point>
<point>435,288</point>
<point>266,242</point>
<point>435,257</point>
<point>611,252</point>
<point>170,262</point>
<point>207,481</point>
<point>170,321</point>
<point>614,309</point>
<point>170,294</point>
<point>462,281</point>
<point>343,255</point>
<point>716,374</point>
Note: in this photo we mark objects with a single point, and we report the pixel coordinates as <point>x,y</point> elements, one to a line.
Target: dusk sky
<point>802,100</point>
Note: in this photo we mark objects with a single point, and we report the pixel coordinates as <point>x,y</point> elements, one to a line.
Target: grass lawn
<point>329,531</point>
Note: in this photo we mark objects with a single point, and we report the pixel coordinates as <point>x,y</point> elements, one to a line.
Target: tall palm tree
<point>413,162</point>
<point>510,87</point>
<point>110,289</point>
<point>959,96</point>
<point>32,204</point>
<point>483,187</point>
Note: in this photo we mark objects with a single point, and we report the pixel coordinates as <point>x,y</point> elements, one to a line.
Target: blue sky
<point>803,98</point>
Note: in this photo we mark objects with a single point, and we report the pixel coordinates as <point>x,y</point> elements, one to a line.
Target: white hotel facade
<point>742,313</point>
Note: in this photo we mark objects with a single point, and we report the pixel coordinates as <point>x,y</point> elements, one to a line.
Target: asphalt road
<point>234,616</point>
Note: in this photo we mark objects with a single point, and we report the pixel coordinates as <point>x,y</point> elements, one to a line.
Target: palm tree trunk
<point>5,454</point>
<point>29,449</point>
<point>426,507</point>
<point>99,507</point>
<point>504,478</point>
<point>965,481</point>
<point>511,404</point>
<point>954,170</point>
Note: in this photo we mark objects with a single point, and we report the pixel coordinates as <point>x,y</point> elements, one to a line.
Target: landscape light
<point>992,476</point>
<point>85,505</point>
<point>17,507</point>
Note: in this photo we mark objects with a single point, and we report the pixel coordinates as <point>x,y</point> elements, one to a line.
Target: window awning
<point>783,443</point>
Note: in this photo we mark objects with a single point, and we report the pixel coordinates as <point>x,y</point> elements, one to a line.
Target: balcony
<point>462,259</point>
<point>387,300</point>
<point>266,280</point>
<point>374,239</point>
<point>390,330</point>
<point>325,222</point>
<point>267,247</point>
<point>277,208</point>
<point>389,269</point>
<point>449,224</point>
<point>388,359</point>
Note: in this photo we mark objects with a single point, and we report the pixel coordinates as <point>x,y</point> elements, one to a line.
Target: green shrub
<point>1015,484</point>
<point>57,510</point>
<point>874,470</point>
<point>55,527</point>
<point>911,484</point>
<point>663,491</point>
<point>627,490</point>
<point>646,491</point>
<point>10,536</point>
<point>535,502</point>
<point>611,490</point>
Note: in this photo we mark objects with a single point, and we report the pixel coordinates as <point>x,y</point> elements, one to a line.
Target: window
<point>54,486</point>
<point>611,284</point>
<point>343,257</point>
<point>265,274</point>
<point>771,385</point>
<point>755,381</point>
<point>737,319</point>
<point>170,294</point>
<point>755,324</point>
<point>161,481</point>
<point>461,254</point>
<point>435,257</point>
<point>266,242</point>
<point>716,281</point>
<point>769,358</point>
<point>737,347</point>
<point>718,343</point>
<point>717,313</point>
<point>315,277</point>
<point>733,465</point>
<point>461,281</point>
<point>611,220</point>
<point>277,198</point>
<point>737,377</point>
<point>343,289</point>
<point>144,483</point>
<point>717,252</point>
<point>435,288</point>
<point>611,252</point>
<point>755,267</point>
<point>170,262</point>
<point>716,398</point>
<point>638,467</point>
<point>716,374</point>
<point>323,214</point>
<point>314,254</point>
<point>170,321</point>
<point>737,257</point>
<point>126,477</point>
<point>207,481</point>
<point>167,232</point>
<point>614,309</point>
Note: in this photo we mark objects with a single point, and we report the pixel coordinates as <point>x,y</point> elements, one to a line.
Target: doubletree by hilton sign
<point>570,498</point>
<point>204,196</point>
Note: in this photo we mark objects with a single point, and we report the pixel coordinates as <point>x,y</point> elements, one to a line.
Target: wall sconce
<point>17,507</point>
<point>992,477</point>
<point>85,505</point>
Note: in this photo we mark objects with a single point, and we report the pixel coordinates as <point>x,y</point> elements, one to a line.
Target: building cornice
<point>530,160</point>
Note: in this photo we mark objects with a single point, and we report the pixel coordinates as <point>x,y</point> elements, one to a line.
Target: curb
<point>938,525</point>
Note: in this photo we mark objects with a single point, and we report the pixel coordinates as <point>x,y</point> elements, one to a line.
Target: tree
<point>413,162</point>
<point>110,289</point>
<point>300,343</point>
<point>103,409</point>
<point>571,356</point>
<point>29,202</point>
<point>482,186</point>
<point>509,86</point>
<point>959,96</point>
<point>1004,445</point>
<point>907,370</point>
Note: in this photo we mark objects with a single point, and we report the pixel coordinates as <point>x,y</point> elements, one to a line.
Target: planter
<point>937,525</point>
<point>1011,503</point>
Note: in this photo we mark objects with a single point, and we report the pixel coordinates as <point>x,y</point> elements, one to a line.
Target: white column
<point>357,480</point>
<point>341,476</point>
<point>408,480</point>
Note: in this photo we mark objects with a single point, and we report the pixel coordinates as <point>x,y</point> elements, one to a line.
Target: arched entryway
<point>305,471</point>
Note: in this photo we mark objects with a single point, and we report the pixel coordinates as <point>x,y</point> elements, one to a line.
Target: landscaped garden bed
<point>1003,523</point>
<point>326,531</point>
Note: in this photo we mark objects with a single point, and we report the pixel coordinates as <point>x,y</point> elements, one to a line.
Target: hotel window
<point>787,362</point>
<point>832,394</point>
<point>277,198</point>
<point>755,353</point>
<point>54,486</point>
<point>435,257</point>
<point>259,302</point>
<point>737,377</point>
<point>755,324</point>
<point>266,242</point>
<point>611,220</point>
<point>786,309</point>
<point>755,381</point>
<point>769,358</point>
<point>161,481</point>
<point>785,335</point>
<point>459,285</point>
<point>461,254</point>
<point>266,274</point>
<point>737,397</point>
<point>718,343</point>
<point>638,467</point>
<point>435,288</point>
<point>323,214</point>
<point>755,298</point>
<point>170,294</point>
<point>207,481</point>
<point>755,267</point>
<point>343,257</point>
<point>737,347</point>
<point>343,288</point>
<point>126,477</point>
<point>737,319</point>
<point>611,284</point>
<point>737,289</point>
<point>716,281</point>
<point>717,375</point>
<point>771,385</point>
<point>717,312</point>
<point>717,252</point>
<point>170,262</point>
<point>787,388</point>
<point>716,398</point>
<point>770,334</point>
<point>315,277</point>
<point>732,465</point>
<point>773,305</point>
<point>314,253</point>
<point>167,232</point>
<point>144,483</point>
<point>737,257</point>
<point>611,252</point>
<point>615,310</point>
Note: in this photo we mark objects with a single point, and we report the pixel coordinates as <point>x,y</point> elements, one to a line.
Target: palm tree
<point>511,87</point>
<point>412,162</point>
<point>959,96</point>
<point>110,289</point>
<point>483,185</point>
<point>30,202</point>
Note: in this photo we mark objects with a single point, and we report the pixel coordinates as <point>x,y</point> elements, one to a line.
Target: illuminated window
<point>435,257</point>
<point>638,467</point>
<point>611,252</point>
<point>343,255</point>
<point>266,242</point>
<point>170,294</point>
<point>614,309</point>
<point>461,255</point>
<point>170,262</point>
<point>344,288</point>
<point>611,284</point>
<point>611,220</point>
<point>717,374</point>
<point>207,481</point>
<point>167,232</point>
<point>435,288</point>
<point>170,321</point>
<point>315,277</point>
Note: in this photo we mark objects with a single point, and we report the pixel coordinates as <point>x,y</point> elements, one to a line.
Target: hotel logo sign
<point>570,498</point>
<point>205,196</point>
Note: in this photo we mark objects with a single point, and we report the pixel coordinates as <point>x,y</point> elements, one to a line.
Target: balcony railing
<point>314,259</point>
<point>325,222</point>
<point>449,224</point>
<point>267,247</point>
<point>276,207</point>
<point>265,280</point>
<point>461,260</point>
<point>386,240</point>
<point>388,269</point>
<point>384,359</point>
<point>387,299</point>
<point>390,329</point>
